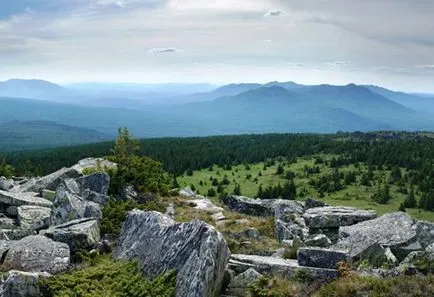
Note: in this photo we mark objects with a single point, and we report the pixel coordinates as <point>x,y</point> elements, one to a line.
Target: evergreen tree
<point>280,170</point>
<point>260,193</point>
<point>237,190</point>
<point>410,201</point>
<point>211,192</point>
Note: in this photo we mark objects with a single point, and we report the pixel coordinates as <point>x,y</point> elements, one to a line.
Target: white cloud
<point>163,50</point>
<point>273,13</point>
<point>426,67</point>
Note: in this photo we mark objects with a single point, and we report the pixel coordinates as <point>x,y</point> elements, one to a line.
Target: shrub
<point>272,287</point>
<point>115,212</point>
<point>108,278</point>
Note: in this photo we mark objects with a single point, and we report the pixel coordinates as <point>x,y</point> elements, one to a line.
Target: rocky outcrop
<point>18,199</point>
<point>92,163</point>
<point>334,217</point>
<point>240,284</point>
<point>196,250</point>
<point>35,254</point>
<point>49,182</point>
<point>393,230</point>
<point>312,203</point>
<point>318,240</point>
<point>277,266</point>
<point>320,257</point>
<point>82,234</point>
<point>34,217</point>
<point>21,284</point>
<point>205,205</point>
<point>262,207</point>
<point>187,192</point>
<point>6,184</point>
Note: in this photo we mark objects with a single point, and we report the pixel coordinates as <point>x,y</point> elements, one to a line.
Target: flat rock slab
<point>82,234</point>
<point>35,254</point>
<point>262,207</point>
<point>18,199</point>
<point>321,258</point>
<point>277,266</point>
<point>34,217</point>
<point>205,205</point>
<point>333,217</point>
<point>196,250</point>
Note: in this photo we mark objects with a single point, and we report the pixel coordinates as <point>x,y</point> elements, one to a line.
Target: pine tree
<point>260,192</point>
<point>410,201</point>
<point>237,190</point>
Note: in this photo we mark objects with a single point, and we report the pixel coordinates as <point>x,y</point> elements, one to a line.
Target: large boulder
<point>90,186</point>
<point>18,199</point>
<point>81,234</point>
<point>205,205</point>
<point>425,232</point>
<point>93,163</point>
<point>16,283</point>
<point>333,217</point>
<point>35,254</point>
<point>6,184</point>
<point>49,182</point>
<point>34,217</point>
<point>312,203</point>
<point>262,207</point>
<point>196,250</point>
<point>68,205</point>
<point>393,230</point>
<point>321,257</point>
<point>240,284</point>
<point>318,240</point>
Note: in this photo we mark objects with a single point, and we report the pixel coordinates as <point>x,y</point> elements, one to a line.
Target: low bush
<point>104,277</point>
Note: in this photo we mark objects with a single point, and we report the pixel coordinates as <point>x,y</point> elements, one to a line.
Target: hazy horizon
<point>386,43</point>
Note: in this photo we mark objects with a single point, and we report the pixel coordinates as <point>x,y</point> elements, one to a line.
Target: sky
<point>383,42</point>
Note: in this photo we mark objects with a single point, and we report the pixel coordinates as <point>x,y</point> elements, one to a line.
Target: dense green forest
<point>413,153</point>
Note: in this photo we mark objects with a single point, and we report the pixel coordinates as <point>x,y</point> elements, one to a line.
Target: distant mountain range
<point>200,109</point>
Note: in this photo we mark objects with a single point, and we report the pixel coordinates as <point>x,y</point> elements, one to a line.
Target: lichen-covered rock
<point>278,267</point>
<point>15,234</point>
<point>312,203</point>
<point>287,231</point>
<point>425,232</point>
<point>187,192</point>
<point>394,230</point>
<point>18,199</point>
<point>318,240</point>
<point>262,207</point>
<point>6,184</point>
<point>196,250</point>
<point>82,234</point>
<point>16,283</point>
<point>332,217</point>
<point>205,205</point>
<point>321,258</point>
<point>35,254</point>
<point>34,217</point>
<point>92,163</point>
<point>49,182</point>
<point>239,285</point>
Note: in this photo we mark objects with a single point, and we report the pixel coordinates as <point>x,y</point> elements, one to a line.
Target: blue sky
<point>385,42</point>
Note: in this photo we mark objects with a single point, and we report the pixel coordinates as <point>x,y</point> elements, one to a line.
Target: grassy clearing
<point>249,177</point>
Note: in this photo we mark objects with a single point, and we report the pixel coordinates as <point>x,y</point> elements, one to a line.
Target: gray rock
<point>128,193</point>
<point>394,230</point>
<point>98,182</point>
<point>18,199</point>
<point>278,267</point>
<point>218,217</point>
<point>425,232</point>
<point>6,184</point>
<point>92,210</point>
<point>320,257</point>
<point>48,194</point>
<point>34,217</point>
<point>11,211</point>
<point>319,240</point>
<point>49,182</point>
<point>7,223</point>
<point>205,205</point>
<point>91,163</point>
<point>252,233</point>
<point>312,203</point>
<point>21,284</point>
<point>196,250</point>
<point>187,192</point>
<point>240,283</point>
<point>430,252</point>
<point>287,231</point>
<point>262,207</point>
<point>170,210</point>
<point>35,254</point>
<point>82,234</point>
<point>332,217</point>
<point>15,234</point>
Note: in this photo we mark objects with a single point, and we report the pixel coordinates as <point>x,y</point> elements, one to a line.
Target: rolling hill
<point>42,134</point>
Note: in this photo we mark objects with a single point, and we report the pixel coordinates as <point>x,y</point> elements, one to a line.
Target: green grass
<point>354,195</point>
